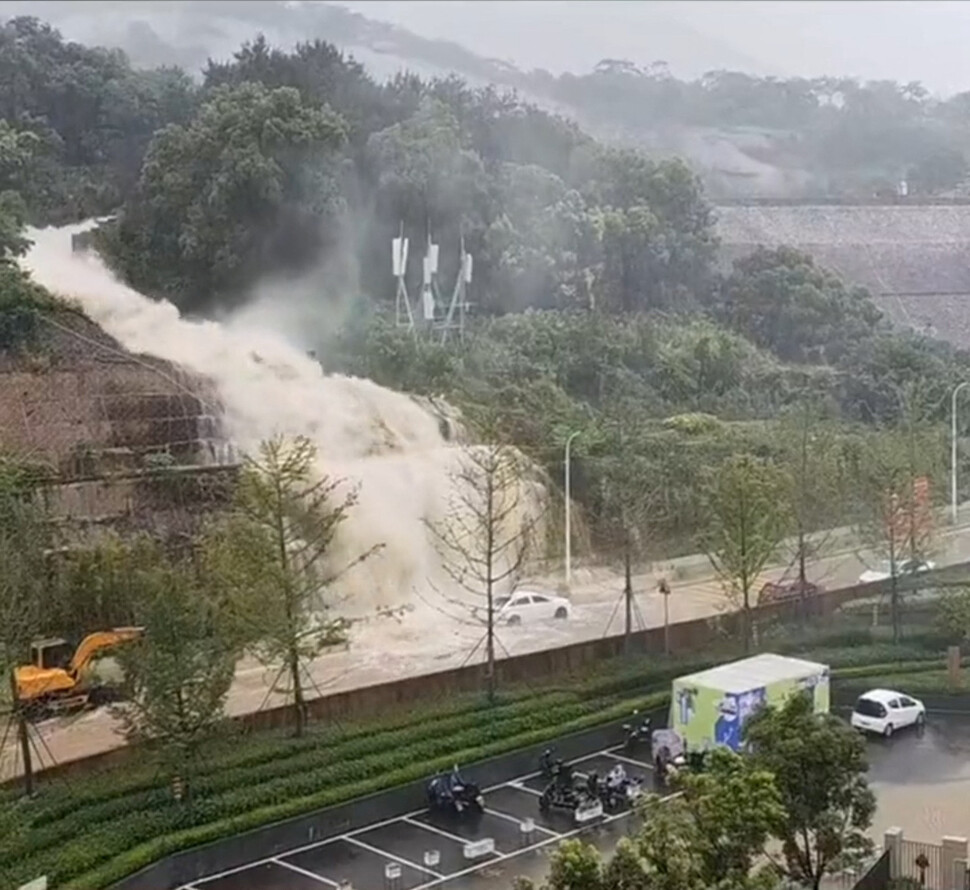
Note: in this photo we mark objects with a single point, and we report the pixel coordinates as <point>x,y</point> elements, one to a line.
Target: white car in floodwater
<point>883,711</point>
<point>903,567</point>
<point>528,605</point>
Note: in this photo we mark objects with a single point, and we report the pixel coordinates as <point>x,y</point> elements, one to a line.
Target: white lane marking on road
<point>399,859</point>
<point>303,871</point>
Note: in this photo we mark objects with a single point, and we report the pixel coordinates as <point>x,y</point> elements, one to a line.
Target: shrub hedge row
<point>96,831</point>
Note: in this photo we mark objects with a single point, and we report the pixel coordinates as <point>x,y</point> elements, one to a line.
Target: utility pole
<point>568,532</point>
<point>664,589</point>
<point>627,595</point>
<point>953,450</point>
<point>23,734</point>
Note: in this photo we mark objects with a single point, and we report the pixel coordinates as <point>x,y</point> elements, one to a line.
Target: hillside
<point>745,135</point>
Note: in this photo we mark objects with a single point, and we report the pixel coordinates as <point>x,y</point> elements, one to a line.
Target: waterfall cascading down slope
<point>386,443</point>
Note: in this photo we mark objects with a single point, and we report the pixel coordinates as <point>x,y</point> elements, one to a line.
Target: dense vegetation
<point>830,135</point>
<point>598,304</point>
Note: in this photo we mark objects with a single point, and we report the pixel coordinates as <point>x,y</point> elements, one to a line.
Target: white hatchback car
<point>903,567</point>
<point>883,711</point>
<point>528,605</point>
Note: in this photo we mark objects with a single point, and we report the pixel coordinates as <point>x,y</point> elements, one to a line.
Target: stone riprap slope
<point>914,259</point>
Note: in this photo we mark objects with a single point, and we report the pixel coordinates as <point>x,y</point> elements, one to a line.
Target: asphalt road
<point>426,641</point>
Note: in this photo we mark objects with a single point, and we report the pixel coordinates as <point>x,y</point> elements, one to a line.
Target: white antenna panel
<point>427,298</point>
<point>467,271</point>
<point>398,251</point>
<point>428,272</point>
<point>404,256</point>
<point>433,258</point>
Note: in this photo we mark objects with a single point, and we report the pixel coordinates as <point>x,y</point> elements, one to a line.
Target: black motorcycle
<point>560,791</point>
<point>453,794</point>
<point>635,733</point>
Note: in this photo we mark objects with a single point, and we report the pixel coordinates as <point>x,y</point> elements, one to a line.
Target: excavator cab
<point>52,653</point>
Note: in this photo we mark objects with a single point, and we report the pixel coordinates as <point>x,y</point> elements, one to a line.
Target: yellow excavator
<point>55,681</point>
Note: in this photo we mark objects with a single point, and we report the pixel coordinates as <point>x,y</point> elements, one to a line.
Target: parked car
<point>782,591</point>
<point>903,567</point>
<point>529,605</point>
<point>883,711</point>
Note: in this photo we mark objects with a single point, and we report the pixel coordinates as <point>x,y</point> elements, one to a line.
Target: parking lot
<point>421,850</point>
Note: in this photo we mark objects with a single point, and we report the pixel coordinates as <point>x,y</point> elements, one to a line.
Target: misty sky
<point>924,40</point>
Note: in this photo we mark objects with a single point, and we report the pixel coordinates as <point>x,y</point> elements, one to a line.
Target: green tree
<point>819,764</point>
<point>713,833</point>
<point>179,673</point>
<point>488,533</point>
<point>245,188</point>
<point>897,476</point>
<point>782,301</point>
<point>273,558</point>
<point>953,614</point>
<point>748,515</point>
<point>24,537</point>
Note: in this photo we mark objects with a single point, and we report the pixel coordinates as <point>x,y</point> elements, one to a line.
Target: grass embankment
<point>94,830</point>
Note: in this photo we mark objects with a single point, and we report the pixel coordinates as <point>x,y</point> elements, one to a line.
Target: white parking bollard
<point>432,858</point>
<point>392,874</point>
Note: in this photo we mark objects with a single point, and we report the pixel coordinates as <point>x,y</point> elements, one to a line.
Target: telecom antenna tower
<point>459,301</point>
<point>399,262</point>
<point>430,297</point>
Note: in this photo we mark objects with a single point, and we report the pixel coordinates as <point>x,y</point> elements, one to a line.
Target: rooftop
<point>750,673</point>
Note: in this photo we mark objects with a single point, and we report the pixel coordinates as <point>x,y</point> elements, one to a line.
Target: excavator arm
<point>38,683</point>
<point>97,642</point>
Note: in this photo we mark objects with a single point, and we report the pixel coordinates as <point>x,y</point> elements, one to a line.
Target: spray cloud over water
<point>387,443</point>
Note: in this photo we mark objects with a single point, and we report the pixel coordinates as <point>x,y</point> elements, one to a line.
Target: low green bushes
<point>92,832</point>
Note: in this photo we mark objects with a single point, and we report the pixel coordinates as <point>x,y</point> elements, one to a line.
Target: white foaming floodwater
<point>384,441</point>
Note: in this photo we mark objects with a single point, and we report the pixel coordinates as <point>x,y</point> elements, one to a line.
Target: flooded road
<point>922,780</point>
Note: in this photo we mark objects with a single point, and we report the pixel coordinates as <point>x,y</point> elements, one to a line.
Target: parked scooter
<point>636,732</point>
<point>452,794</point>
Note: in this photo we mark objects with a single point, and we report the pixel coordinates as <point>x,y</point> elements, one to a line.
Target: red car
<point>782,591</point>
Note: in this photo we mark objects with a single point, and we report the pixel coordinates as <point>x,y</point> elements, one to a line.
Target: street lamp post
<point>568,532</point>
<point>953,449</point>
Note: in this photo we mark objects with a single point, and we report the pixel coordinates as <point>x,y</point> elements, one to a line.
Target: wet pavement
<point>922,779</point>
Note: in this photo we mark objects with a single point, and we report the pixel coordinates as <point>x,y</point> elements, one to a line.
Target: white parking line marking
<point>394,858</point>
<point>350,836</point>
<point>631,760</point>
<point>303,871</point>
<point>435,829</point>
<point>518,821</point>
<point>527,789</point>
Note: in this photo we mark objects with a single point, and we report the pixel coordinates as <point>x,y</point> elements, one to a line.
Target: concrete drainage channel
<point>419,850</point>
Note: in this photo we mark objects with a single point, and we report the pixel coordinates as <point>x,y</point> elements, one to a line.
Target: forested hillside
<point>746,135</point>
<point>597,305</point>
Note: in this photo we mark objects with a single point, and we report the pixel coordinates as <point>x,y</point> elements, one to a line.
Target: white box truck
<point>710,707</point>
